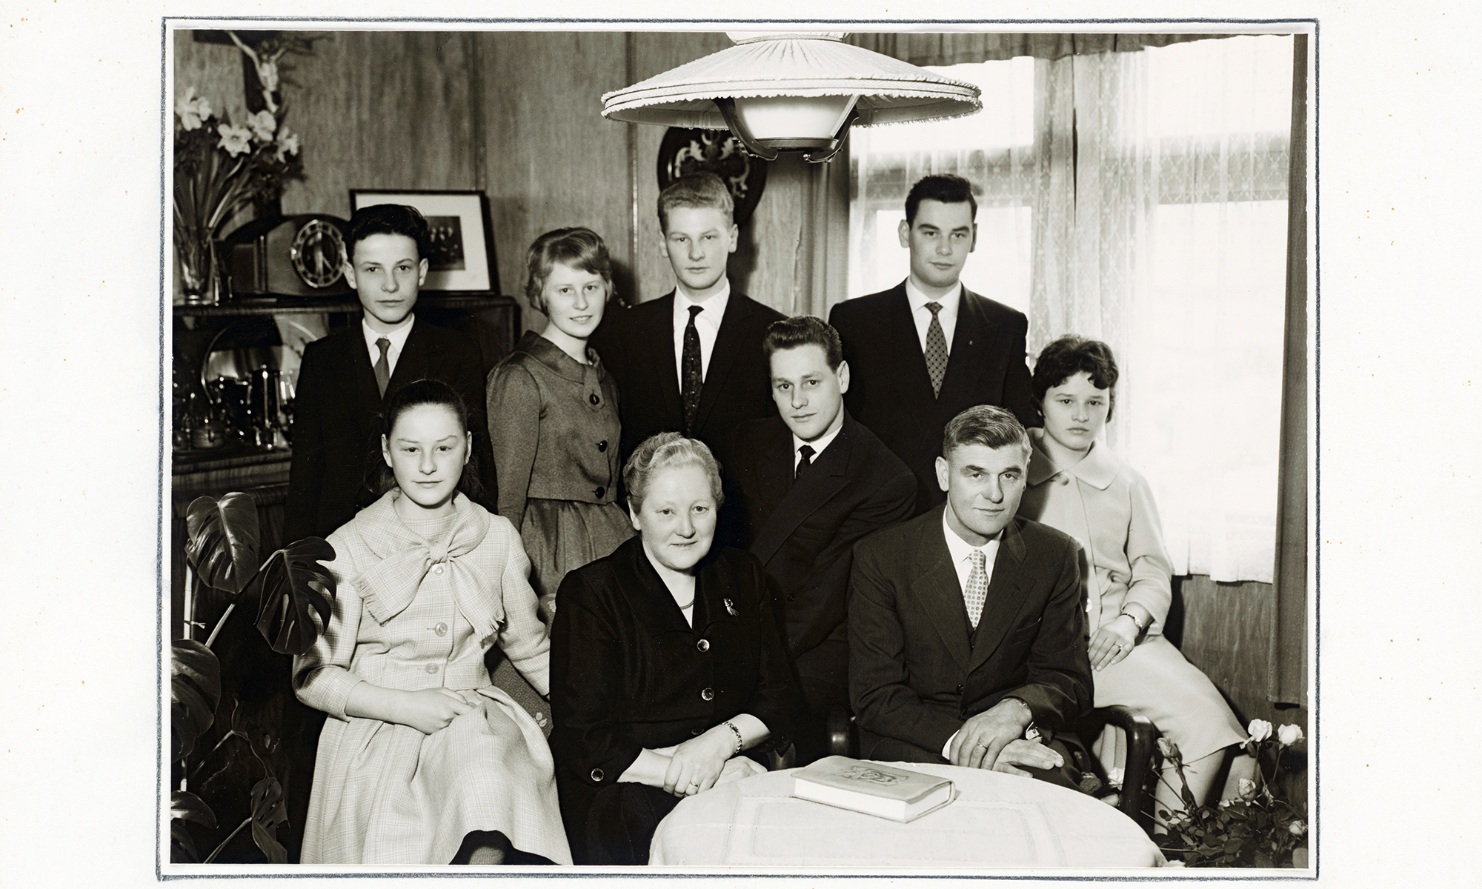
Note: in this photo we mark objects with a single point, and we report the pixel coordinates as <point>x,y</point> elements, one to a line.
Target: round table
<point>996,821</point>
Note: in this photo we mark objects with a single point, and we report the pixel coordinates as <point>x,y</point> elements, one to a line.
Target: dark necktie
<point>936,349</point>
<point>805,459</point>
<point>690,372</point>
<point>383,365</point>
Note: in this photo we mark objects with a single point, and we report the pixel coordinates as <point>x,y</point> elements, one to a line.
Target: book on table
<point>871,788</point>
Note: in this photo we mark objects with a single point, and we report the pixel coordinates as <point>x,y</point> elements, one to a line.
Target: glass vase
<point>196,251</point>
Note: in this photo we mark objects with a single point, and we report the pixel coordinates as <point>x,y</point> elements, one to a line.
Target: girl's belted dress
<point>418,605</point>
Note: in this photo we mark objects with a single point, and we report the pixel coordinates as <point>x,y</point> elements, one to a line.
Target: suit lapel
<point>1005,600</point>
<point>727,346</point>
<point>969,348</point>
<point>903,341</point>
<point>825,478</point>
<point>937,588</point>
<point>416,356</point>
<point>658,337</point>
<point>361,379</point>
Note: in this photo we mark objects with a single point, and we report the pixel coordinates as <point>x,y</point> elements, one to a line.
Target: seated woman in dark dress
<point>666,662</point>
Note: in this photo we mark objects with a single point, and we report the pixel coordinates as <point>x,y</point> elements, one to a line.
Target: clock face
<point>315,253</point>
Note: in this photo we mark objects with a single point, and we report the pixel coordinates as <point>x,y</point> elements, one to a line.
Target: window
<point>1138,198</point>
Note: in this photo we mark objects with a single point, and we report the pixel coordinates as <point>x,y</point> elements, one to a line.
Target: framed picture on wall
<point>461,258</point>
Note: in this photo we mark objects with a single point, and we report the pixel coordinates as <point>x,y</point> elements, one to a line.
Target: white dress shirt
<point>819,445</point>
<point>951,301</point>
<point>707,324</point>
<point>962,562</point>
<point>398,338</point>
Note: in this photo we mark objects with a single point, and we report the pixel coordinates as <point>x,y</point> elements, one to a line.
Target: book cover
<point>871,788</point>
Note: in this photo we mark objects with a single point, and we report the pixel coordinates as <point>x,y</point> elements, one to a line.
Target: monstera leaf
<point>195,689</point>
<point>221,540</point>
<point>293,585</point>
<point>268,813</point>
<point>187,807</point>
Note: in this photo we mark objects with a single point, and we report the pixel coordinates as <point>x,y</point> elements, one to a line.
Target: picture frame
<point>462,256</point>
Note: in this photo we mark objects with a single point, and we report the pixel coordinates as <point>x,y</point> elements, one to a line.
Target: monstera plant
<point>288,592</point>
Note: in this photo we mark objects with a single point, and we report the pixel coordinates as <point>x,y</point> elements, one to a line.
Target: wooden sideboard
<point>491,321</point>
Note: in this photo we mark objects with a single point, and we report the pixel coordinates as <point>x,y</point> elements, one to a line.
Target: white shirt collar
<point>949,300</point>
<point>960,550</point>
<point>819,444</point>
<point>714,305</point>
<point>398,338</point>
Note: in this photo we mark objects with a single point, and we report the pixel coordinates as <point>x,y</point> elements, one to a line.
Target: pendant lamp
<point>789,91</point>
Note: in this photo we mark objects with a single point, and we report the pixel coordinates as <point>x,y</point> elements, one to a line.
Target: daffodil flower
<point>192,109</point>
<point>263,125</point>
<point>234,140</point>
<point>287,144</point>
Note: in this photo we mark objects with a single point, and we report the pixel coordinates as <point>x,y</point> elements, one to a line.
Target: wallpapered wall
<point>517,115</point>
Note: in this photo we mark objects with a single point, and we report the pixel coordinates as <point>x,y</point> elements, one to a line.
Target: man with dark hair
<point>346,377</point>
<point>691,360</point>
<point>967,625</point>
<point>927,348</point>
<point>812,482</point>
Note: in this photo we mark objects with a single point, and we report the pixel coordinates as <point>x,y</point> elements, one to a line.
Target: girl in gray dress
<point>553,422</point>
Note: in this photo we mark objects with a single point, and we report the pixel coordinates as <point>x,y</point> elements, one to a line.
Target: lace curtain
<point>1138,198</point>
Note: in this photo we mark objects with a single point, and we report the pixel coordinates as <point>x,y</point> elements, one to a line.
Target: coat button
<point>707,694</point>
<point>1063,480</point>
<point>602,445</point>
<point>594,398</point>
<point>441,629</point>
<point>703,645</point>
<point>596,775</point>
<point>959,689</point>
<point>696,732</point>
<point>432,668</point>
<point>600,491</point>
<point>438,569</point>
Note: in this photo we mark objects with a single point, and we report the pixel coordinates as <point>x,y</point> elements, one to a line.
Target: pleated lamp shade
<point>791,91</point>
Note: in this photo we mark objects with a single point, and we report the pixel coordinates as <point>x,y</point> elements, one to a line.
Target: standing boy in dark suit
<point>690,361</point>
<point>967,625</point>
<point>345,377</point>
<point>812,482</point>
<point>927,348</point>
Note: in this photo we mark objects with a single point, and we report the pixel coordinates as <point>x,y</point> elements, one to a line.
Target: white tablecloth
<point>997,821</point>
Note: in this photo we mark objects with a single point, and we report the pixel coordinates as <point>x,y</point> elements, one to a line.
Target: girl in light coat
<point>1076,484</point>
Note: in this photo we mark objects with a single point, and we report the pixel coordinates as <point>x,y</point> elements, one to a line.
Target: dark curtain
<point>959,48</point>
<point>1289,633</point>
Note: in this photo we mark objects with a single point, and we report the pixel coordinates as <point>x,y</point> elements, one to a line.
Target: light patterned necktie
<point>690,370</point>
<point>976,591</point>
<point>383,366</point>
<point>936,349</point>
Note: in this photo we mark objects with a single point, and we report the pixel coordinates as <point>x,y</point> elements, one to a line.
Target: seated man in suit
<point>812,482</point>
<point>690,361</point>
<point>967,625</point>
<point>927,348</point>
<point>346,377</point>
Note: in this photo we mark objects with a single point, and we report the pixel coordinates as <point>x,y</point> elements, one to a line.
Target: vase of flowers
<point>1265,826</point>
<point>221,166</point>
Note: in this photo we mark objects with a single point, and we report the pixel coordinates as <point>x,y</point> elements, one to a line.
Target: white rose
<point>1259,730</point>
<point>1289,735</point>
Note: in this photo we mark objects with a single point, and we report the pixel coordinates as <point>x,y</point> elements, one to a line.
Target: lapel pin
<point>730,607</point>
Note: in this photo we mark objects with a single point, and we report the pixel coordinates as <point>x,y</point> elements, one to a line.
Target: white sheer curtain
<point>1138,198</point>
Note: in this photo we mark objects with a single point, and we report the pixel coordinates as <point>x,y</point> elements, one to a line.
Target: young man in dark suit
<point>690,361</point>
<point>345,377</point>
<point>927,348</point>
<point>812,482</point>
<point>967,625</point>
